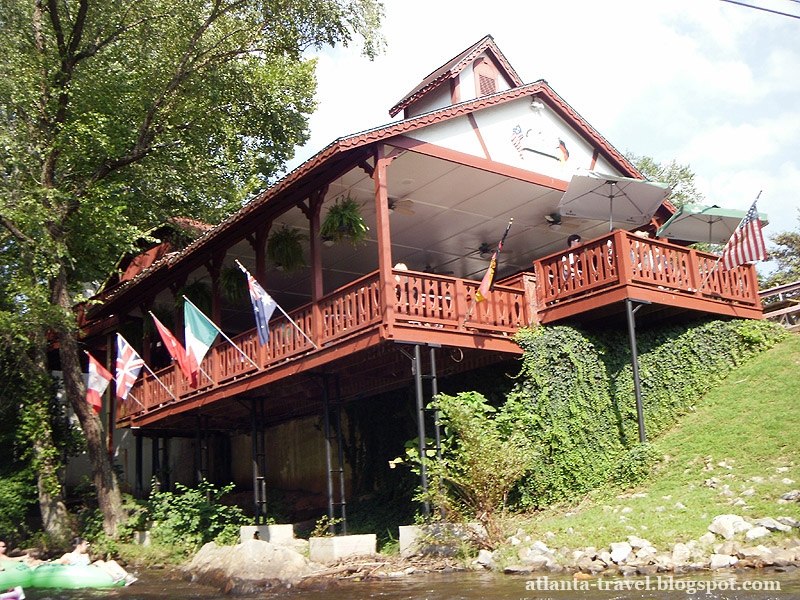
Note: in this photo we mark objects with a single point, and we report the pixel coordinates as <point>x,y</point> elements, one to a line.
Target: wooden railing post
<point>694,272</point>
<point>531,299</point>
<point>622,256</point>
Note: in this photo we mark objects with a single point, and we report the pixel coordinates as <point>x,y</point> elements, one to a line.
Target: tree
<point>679,177</point>
<point>118,114</point>
<point>787,255</point>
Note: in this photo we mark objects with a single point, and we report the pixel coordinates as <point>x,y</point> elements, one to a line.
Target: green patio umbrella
<point>709,224</point>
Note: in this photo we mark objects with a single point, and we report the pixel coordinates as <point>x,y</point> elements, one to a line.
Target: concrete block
<point>280,535</point>
<point>141,537</point>
<point>436,538</point>
<point>331,549</point>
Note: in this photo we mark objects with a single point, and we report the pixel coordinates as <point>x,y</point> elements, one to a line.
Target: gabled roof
<point>298,184</point>
<point>454,66</point>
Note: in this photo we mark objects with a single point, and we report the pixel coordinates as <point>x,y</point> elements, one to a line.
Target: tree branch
<point>15,231</point>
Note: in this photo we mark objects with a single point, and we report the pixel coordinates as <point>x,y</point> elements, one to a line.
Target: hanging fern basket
<point>285,248</point>
<point>344,223</point>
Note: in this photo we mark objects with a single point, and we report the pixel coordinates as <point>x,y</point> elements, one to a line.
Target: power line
<point>769,10</point>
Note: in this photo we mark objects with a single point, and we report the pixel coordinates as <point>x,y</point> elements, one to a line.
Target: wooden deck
<point>358,330</point>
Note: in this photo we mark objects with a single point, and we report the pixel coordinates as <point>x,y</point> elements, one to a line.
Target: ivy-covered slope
<point>575,397</point>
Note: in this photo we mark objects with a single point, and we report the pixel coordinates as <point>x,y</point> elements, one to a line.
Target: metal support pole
<point>343,504</point>
<point>635,362</point>
<point>165,483</point>
<point>417,369</point>
<point>259,466</point>
<point>327,432</point>
<point>435,392</point>
<point>154,464</point>
<point>198,460</point>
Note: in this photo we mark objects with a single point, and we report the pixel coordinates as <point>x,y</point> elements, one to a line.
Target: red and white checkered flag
<point>746,243</point>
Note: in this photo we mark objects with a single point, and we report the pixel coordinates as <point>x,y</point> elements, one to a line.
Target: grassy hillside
<point>744,434</point>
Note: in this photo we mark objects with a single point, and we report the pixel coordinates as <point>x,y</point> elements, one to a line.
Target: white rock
<point>484,558</point>
<point>748,492</point>
<point>790,521</point>
<point>707,539</point>
<point>637,542</point>
<point>725,525</point>
<point>515,541</point>
<point>681,553</point>
<point>659,509</point>
<point>720,561</point>
<point>787,481</point>
<point>756,533</point>
<point>549,535</point>
<point>539,547</point>
<point>620,551</point>
<point>772,524</point>
<point>626,510</point>
<point>680,506</point>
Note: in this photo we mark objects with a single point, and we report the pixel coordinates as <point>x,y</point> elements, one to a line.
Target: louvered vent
<point>487,85</point>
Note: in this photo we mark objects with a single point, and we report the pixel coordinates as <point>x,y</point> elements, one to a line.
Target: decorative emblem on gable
<point>536,136</point>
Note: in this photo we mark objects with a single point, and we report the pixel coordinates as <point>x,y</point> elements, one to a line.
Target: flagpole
<point>222,333</point>
<point>135,400</point>
<point>246,272</point>
<point>150,312</point>
<point>495,256</point>
<point>159,381</point>
<point>726,245</point>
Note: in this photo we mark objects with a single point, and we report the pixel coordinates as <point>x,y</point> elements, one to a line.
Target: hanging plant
<point>199,292</point>
<point>344,223</point>
<point>233,284</point>
<point>285,248</point>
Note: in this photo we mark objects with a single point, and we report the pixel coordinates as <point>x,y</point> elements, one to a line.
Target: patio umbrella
<point>709,224</point>
<point>599,196</point>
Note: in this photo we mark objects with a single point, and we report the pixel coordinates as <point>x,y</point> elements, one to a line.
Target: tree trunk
<point>55,518</point>
<point>109,498</point>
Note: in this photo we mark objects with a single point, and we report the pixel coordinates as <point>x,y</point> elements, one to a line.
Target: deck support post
<point>631,311</point>
<point>328,455</point>
<point>201,449</point>
<point>259,462</point>
<point>423,472</point>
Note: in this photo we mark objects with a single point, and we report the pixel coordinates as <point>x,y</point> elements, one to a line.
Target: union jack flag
<point>746,243</point>
<point>516,139</point>
<point>129,363</point>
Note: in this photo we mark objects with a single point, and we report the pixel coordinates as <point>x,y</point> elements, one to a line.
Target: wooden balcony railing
<point>622,258</point>
<point>420,300</point>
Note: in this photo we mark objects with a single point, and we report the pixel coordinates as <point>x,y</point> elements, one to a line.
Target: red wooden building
<point>475,147</point>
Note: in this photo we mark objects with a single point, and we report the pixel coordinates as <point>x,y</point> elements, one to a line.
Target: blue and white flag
<point>263,307</point>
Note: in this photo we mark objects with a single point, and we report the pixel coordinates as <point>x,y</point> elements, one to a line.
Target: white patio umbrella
<point>709,224</point>
<point>599,196</point>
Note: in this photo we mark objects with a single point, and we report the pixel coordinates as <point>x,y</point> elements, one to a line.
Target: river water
<point>763,585</point>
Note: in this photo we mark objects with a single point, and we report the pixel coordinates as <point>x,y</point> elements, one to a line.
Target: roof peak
<point>454,66</point>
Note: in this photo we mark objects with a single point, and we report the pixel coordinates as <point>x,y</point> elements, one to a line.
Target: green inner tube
<point>14,573</point>
<point>51,575</point>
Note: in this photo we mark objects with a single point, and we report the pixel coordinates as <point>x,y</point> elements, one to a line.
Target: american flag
<point>516,138</point>
<point>746,243</point>
<point>129,363</point>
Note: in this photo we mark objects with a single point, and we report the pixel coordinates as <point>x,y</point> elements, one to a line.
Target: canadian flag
<point>99,379</point>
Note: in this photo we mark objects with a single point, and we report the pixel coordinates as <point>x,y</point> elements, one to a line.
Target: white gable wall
<point>440,97</point>
<point>516,135</point>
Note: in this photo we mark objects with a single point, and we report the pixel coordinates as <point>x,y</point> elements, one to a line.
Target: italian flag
<point>200,333</point>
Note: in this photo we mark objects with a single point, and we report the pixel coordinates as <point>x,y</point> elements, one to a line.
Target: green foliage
<point>634,465</point>
<point>481,461</point>
<point>575,397</point>
<point>344,223</point>
<point>17,495</point>
<point>679,177</point>
<point>285,248</point>
<point>190,517</point>
<point>563,403</point>
<point>787,256</point>
<point>325,526</point>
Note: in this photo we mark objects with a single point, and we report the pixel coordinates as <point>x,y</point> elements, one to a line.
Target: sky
<point>709,84</point>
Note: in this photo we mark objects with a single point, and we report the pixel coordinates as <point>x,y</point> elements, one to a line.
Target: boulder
<point>756,533</point>
<point>772,524</point>
<point>620,551</point>
<point>250,566</point>
<point>721,561</point>
<point>793,496</point>
<point>790,521</point>
<point>680,554</point>
<point>728,525</point>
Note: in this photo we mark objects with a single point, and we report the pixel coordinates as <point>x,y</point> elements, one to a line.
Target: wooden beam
<point>384,240</point>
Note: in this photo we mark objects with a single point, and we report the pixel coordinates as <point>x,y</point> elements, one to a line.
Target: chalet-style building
<point>474,148</point>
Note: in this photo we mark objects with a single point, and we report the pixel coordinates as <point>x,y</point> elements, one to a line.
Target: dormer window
<point>485,77</point>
